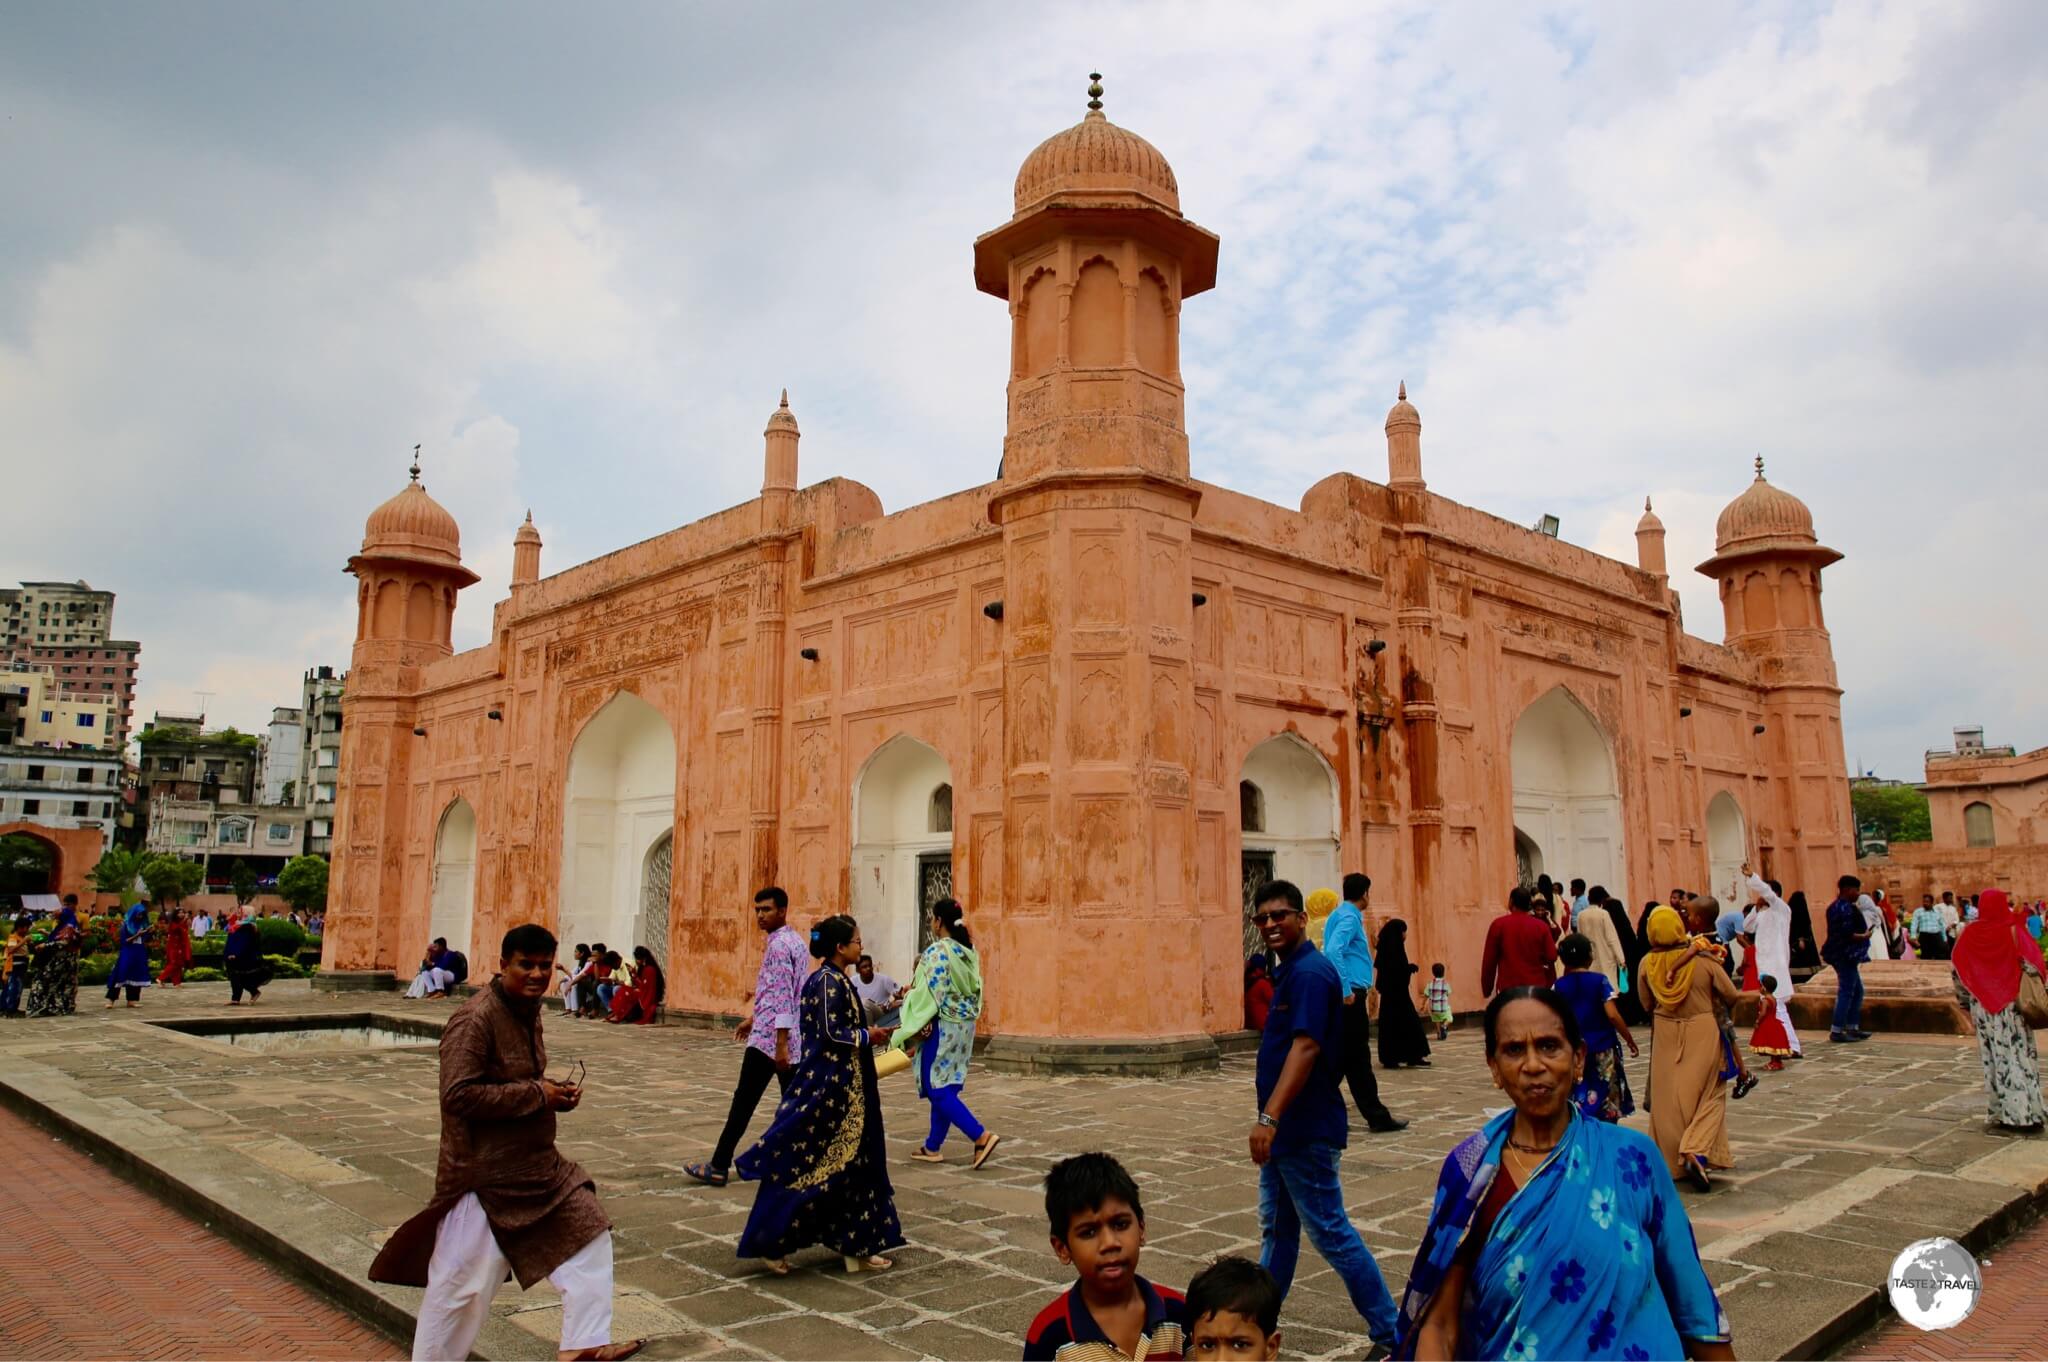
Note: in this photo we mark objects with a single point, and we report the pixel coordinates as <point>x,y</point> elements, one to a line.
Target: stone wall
<point>1915,868</point>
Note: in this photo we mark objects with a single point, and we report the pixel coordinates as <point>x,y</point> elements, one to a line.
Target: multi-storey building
<point>281,748</point>
<point>320,754</point>
<point>37,712</point>
<point>68,788</point>
<point>67,627</point>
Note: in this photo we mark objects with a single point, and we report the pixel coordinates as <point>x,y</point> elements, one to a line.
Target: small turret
<point>1650,542</point>
<point>526,554</point>
<point>778,465</point>
<point>1404,444</point>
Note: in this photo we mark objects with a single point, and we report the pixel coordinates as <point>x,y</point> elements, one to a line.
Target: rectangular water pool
<point>288,1035</point>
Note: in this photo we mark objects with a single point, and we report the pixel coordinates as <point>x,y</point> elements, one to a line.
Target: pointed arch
<point>618,799</point>
<point>453,906</point>
<point>900,864</point>
<point>1294,792</point>
<point>1727,848</point>
<point>1567,798</point>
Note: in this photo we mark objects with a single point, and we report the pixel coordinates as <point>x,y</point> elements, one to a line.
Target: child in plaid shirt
<point>1438,992</point>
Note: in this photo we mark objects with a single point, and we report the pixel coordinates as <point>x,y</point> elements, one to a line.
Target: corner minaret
<point>778,465</point>
<point>526,554</point>
<point>1404,444</point>
<point>407,574</point>
<point>1650,542</point>
<point>1095,263</point>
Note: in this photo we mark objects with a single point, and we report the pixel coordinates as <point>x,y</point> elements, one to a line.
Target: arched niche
<point>453,911</point>
<point>1095,324</point>
<point>1294,793</point>
<point>1727,849</point>
<point>1980,829</point>
<point>1152,325</point>
<point>619,800</point>
<point>1041,329</point>
<point>1528,860</point>
<point>420,624</point>
<point>900,864</point>
<point>1567,799</point>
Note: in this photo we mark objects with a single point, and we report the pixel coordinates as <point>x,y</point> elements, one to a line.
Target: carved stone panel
<point>1034,855</point>
<point>988,741</point>
<point>1101,881</point>
<point>731,768</point>
<point>988,860</point>
<point>1098,722</point>
<point>1098,580</point>
<point>1031,720</point>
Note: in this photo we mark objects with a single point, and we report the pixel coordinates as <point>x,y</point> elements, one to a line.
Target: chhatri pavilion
<point>1096,700</point>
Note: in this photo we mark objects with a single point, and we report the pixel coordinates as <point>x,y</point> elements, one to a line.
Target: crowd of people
<point>41,956</point>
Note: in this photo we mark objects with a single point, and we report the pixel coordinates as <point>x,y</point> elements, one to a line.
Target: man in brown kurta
<point>504,1197</point>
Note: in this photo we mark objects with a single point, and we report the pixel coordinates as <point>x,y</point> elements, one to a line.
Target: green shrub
<point>94,969</point>
<point>204,974</point>
<point>280,935</point>
<point>283,968</point>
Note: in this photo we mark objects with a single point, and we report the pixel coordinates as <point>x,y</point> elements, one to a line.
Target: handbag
<point>2033,999</point>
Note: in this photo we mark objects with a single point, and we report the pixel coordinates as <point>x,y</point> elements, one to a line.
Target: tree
<point>26,864</point>
<point>242,880</point>
<point>303,883</point>
<point>1898,812</point>
<point>116,871</point>
<point>169,879</point>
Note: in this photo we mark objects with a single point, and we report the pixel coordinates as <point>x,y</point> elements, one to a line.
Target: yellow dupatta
<point>1669,979</point>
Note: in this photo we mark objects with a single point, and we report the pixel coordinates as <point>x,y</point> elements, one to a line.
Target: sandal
<point>1745,1085</point>
<point>611,1352</point>
<point>1696,1169</point>
<point>877,1263</point>
<point>985,1147</point>
<point>710,1177</point>
<point>778,1266</point>
<point>923,1155</point>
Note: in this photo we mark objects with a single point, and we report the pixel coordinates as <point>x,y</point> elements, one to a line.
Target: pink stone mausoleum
<point>1094,699</point>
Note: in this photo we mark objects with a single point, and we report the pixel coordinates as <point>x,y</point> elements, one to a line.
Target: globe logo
<point>1934,1284</point>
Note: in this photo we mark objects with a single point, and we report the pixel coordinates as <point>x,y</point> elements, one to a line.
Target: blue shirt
<point>1588,990</point>
<point>1307,1001</point>
<point>1728,926</point>
<point>1345,945</point>
<point>1845,919</point>
<point>1927,922</point>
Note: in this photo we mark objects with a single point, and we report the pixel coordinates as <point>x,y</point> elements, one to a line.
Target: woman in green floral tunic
<point>942,1007</point>
<point>1990,957</point>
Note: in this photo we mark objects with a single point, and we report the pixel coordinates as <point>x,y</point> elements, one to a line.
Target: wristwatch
<point>1269,1122</point>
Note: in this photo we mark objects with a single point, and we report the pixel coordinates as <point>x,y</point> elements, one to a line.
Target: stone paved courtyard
<point>1844,1158</point>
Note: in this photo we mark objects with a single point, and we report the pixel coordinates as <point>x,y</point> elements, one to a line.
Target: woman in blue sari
<point>131,966</point>
<point>1553,1235</point>
<point>822,1165</point>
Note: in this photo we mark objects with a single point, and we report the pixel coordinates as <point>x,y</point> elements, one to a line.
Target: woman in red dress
<point>177,946</point>
<point>635,1002</point>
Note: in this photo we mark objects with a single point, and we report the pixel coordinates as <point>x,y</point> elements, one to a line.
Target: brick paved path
<point>97,1268</point>
<point>2006,1322</point>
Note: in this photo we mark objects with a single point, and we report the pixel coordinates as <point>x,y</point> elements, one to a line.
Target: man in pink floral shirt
<point>773,1040</point>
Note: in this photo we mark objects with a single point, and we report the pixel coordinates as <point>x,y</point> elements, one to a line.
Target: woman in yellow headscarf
<point>1321,904</point>
<point>1689,1095</point>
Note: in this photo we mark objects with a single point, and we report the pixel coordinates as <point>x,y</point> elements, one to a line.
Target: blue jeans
<point>947,1108</point>
<point>1297,1188</point>
<point>1848,998</point>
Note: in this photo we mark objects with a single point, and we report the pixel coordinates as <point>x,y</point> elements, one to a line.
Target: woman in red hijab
<point>1989,958</point>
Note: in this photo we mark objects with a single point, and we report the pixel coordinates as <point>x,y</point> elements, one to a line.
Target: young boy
<point>1234,1311</point>
<point>1098,1228</point>
<point>14,967</point>
<point>1438,994</point>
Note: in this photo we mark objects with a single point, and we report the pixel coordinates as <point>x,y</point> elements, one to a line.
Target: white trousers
<point>430,980</point>
<point>467,1269</point>
<point>1785,1016</point>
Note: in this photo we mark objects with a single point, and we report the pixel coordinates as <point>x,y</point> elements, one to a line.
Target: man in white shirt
<point>1771,922</point>
<point>1873,917</point>
<point>1951,916</point>
<point>880,996</point>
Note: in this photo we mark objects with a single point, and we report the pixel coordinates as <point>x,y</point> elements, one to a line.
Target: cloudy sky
<point>250,254</point>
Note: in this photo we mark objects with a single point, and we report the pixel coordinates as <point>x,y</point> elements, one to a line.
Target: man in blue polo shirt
<point>1301,1128</point>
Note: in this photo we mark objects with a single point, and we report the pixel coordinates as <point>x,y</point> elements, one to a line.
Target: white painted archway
<point>1727,849</point>
<point>454,899</point>
<point>1567,800</point>
<point>1294,794</point>
<point>902,849</point>
<point>618,801</point>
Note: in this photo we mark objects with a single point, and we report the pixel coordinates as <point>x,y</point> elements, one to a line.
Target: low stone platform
<point>1898,995</point>
<point>313,1156</point>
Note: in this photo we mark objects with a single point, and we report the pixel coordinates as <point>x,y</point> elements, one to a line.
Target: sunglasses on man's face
<point>1268,919</point>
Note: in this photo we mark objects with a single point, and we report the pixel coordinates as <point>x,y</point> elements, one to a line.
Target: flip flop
<point>986,1148</point>
<point>706,1174</point>
<point>923,1155</point>
<point>611,1352</point>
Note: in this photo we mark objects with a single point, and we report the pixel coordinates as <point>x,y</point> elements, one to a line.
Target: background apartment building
<point>320,755</point>
<point>281,747</point>
<point>67,627</point>
<point>76,787</point>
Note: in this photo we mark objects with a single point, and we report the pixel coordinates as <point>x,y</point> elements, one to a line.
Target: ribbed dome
<point>1096,157</point>
<point>1763,512</point>
<point>414,524</point>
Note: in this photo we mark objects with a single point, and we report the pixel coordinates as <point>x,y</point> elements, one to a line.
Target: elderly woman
<point>1989,961</point>
<point>1688,1073</point>
<point>1552,1235</point>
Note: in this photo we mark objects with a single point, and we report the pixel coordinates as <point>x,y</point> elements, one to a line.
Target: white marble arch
<point>1567,797</point>
<point>897,822</point>
<point>619,800</point>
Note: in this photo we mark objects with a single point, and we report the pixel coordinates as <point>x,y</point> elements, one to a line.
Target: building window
<point>234,834</point>
<point>329,755</point>
<point>113,776</point>
<point>31,806</point>
<point>88,720</point>
<point>48,717</point>
<point>280,832</point>
<point>78,809</point>
<point>1251,807</point>
<point>319,828</point>
<point>323,794</point>
<point>1977,825</point>
<point>35,773</point>
<point>106,809</point>
<point>942,809</point>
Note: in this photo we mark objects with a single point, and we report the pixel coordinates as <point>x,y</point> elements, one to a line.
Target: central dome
<point>1096,158</point>
<point>1763,513</point>
<point>413,524</point>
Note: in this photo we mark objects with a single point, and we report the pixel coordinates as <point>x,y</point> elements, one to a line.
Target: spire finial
<point>1646,505</point>
<point>529,515</point>
<point>1402,396</point>
<point>1759,468</point>
<point>785,399</point>
<point>1095,91</point>
<point>415,463</point>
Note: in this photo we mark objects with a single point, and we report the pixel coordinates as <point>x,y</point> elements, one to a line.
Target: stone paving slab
<point>315,1156</point>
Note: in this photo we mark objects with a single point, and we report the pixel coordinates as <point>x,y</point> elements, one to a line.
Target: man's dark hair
<point>1083,1183</point>
<point>1596,896</point>
<point>1575,950</point>
<point>773,895</point>
<point>1356,886</point>
<point>1277,889</point>
<point>1578,888</point>
<point>1437,970</point>
<point>597,948</point>
<point>1519,899</point>
<point>1848,882</point>
<point>528,938</point>
<point>1238,1286</point>
<point>1549,997</point>
<point>865,959</point>
<point>442,942</point>
<point>1776,888</point>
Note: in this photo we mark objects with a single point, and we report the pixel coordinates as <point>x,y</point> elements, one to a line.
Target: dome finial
<point>1759,468</point>
<point>1095,92</point>
<point>785,399</point>
<point>1402,395</point>
<point>415,463</point>
<point>1646,505</point>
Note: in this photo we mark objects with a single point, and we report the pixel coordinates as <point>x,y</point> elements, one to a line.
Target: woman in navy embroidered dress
<point>822,1166</point>
<point>1553,1235</point>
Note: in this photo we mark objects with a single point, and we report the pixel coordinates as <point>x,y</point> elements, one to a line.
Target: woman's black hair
<point>643,956</point>
<point>830,934</point>
<point>1576,950</point>
<point>950,912</point>
<point>1549,997</point>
